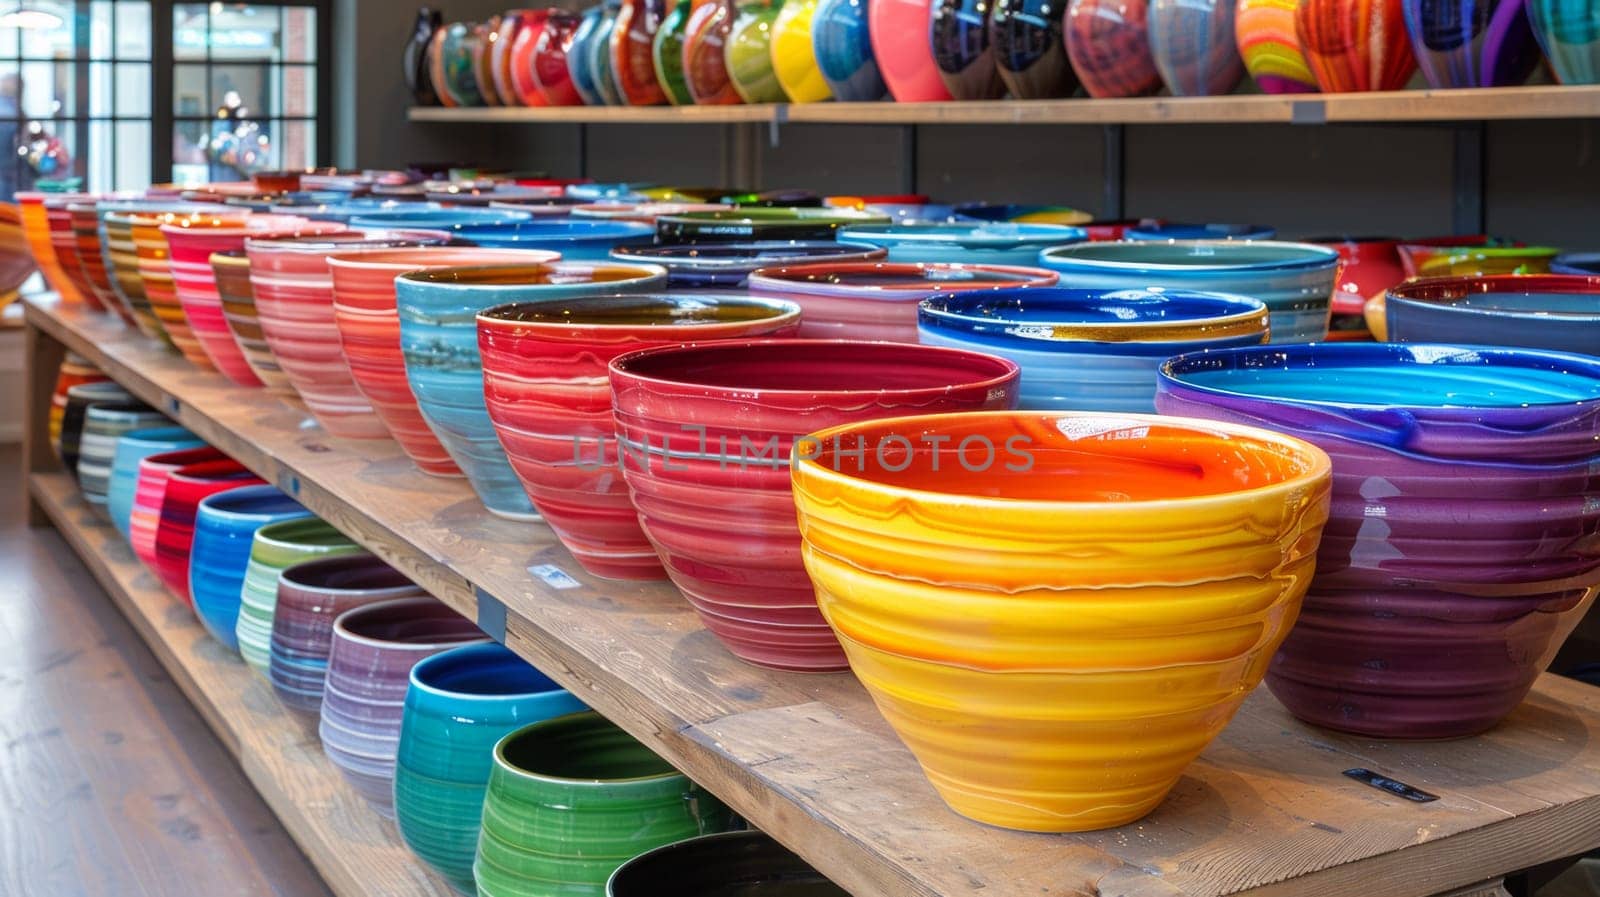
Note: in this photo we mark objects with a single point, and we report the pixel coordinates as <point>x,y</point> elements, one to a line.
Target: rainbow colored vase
<point>1355,45</point>
<point>1270,46</point>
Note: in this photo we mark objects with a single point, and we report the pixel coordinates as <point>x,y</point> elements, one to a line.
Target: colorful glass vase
<point>577,57</point>
<point>1030,50</point>
<point>705,67</point>
<point>899,30</point>
<point>1270,45</point>
<point>748,52</point>
<point>414,58</point>
<point>1109,48</point>
<point>666,54</point>
<point>599,51</point>
<point>457,50</point>
<point>1193,45</point>
<point>1471,43</point>
<point>1569,33</point>
<point>1355,45</point>
<point>632,44</point>
<point>481,41</point>
<point>530,28</point>
<point>843,45</point>
<point>548,69</point>
<point>794,58</point>
<point>959,33</point>
<point>497,50</point>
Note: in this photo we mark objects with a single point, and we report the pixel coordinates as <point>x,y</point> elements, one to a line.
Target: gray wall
<point>1541,184</point>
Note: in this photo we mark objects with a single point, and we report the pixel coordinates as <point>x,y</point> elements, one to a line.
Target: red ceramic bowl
<point>150,491</point>
<point>293,288</point>
<point>723,521</point>
<point>190,245</point>
<point>899,31</point>
<point>369,335</point>
<point>878,300</point>
<point>186,487</point>
<point>65,242</point>
<point>85,220</point>
<point>155,273</point>
<point>545,382</point>
<point>1368,266</point>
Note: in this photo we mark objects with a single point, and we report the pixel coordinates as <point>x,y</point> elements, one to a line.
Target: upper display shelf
<point>1476,104</point>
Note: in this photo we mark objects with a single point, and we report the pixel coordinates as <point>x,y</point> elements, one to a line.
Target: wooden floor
<point>110,783</point>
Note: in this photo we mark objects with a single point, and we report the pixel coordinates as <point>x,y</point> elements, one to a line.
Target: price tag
<point>491,615</point>
<point>554,577</point>
<point>1393,786</point>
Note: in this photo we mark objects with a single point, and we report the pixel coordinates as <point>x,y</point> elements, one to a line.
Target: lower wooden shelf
<point>354,849</point>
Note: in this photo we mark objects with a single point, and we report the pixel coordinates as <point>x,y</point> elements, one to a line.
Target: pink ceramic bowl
<point>150,491</point>
<point>369,335</point>
<point>293,287</point>
<point>190,243</point>
<point>878,300</point>
<point>545,382</point>
<point>899,32</point>
<point>723,519</point>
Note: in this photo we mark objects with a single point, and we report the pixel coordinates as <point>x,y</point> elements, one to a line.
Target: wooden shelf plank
<point>1482,104</point>
<point>354,849</point>
<point>1264,811</point>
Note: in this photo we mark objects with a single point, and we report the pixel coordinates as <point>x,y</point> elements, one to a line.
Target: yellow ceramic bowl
<point>1058,617</point>
<point>793,58</point>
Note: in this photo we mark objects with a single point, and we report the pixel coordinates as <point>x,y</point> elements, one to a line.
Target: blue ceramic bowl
<point>728,265</point>
<point>439,343</point>
<point>133,447</point>
<point>1533,311</point>
<point>915,213</point>
<point>968,243</point>
<point>348,210</point>
<point>458,705</point>
<point>843,47</point>
<point>224,530</point>
<point>624,192</point>
<point>436,218</point>
<point>575,239</point>
<point>1090,350</point>
<point>1175,230</point>
<point>1576,263</point>
<point>1295,280</point>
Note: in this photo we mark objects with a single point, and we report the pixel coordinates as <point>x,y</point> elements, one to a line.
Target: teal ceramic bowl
<point>459,705</point>
<point>572,798</point>
<point>439,344</point>
<point>1294,280</point>
<point>133,447</point>
<point>276,548</point>
<point>981,243</point>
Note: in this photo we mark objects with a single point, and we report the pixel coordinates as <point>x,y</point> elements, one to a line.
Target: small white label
<point>554,577</point>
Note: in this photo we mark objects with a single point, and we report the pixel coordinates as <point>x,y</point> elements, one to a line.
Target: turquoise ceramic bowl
<point>1294,280</point>
<point>984,243</point>
<point>459,704</point>
<point>575,239</point>
<point>133,447</point>
<point>439,344</point>
<point>224,531</point>
<point>409,217</point>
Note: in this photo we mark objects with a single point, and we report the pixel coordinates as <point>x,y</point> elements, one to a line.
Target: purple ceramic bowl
<point>369,669</point>
<point>310,596</point>
<point>1466,506</point>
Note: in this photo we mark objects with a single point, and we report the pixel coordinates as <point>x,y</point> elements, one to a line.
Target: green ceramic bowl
<point>277,547</point>
<point>749,53</point>
<point>572,798</point>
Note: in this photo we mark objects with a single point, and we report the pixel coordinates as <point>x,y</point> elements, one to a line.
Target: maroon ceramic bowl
<point>719,510</point>
<point>544,380</point>
<point>186,487</point>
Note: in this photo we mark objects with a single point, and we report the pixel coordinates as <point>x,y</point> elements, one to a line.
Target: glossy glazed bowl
<point>278,546</point>
<point>36,229</point>
<point>1355,46</point>
<point>723,519</point>
<point>1540,311</point>
<point>1442,260</point>
<point>121,255</point>
<point>103,424</point>
<point>74,410</point>
<point>1295,280</point>
<point>150,493</point>
<point>964,243</point>
<point>720,865</point>
<point>225,525</point>
<point>437,218</point>
<point>369,667</point>
<point>84,218</point>
<point>132,448</point>
<point>899,32</point>
<point>1465,507</point>
<point>546,388</point>
<point>1090,350</point>
<point>878,300</point>
<point>1108,45</point>
<point>1099,672</point>
<point>439,343</point>
<point>794,57</point>
<point>368,322</point>
<point>459,704</point>
<point>1194,46</point>
<point>1172,230</point>
<point>231,271</point>
<point>748,52</point>
<point>293,288</point>
<point>155,278</point>
<point>1269,44</point>
<point>75,370</point>
<point>1471,43</point>
<point>1030,49</point>
<point>729,265</point>
<point>1369,266</point>
<point>576,239</point>
<point>569,799</point>
<point>311,594</point>
<point>1023,214</point>
<point>1585,263</point>
<point>64,240</point>
<point>760,224</point>
<point>1569,34</point>
<point>842,41</point>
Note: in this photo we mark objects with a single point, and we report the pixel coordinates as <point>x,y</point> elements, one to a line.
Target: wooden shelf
<point>1540,101</point>
<point>1266,810</point>
<point>356,851</point>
